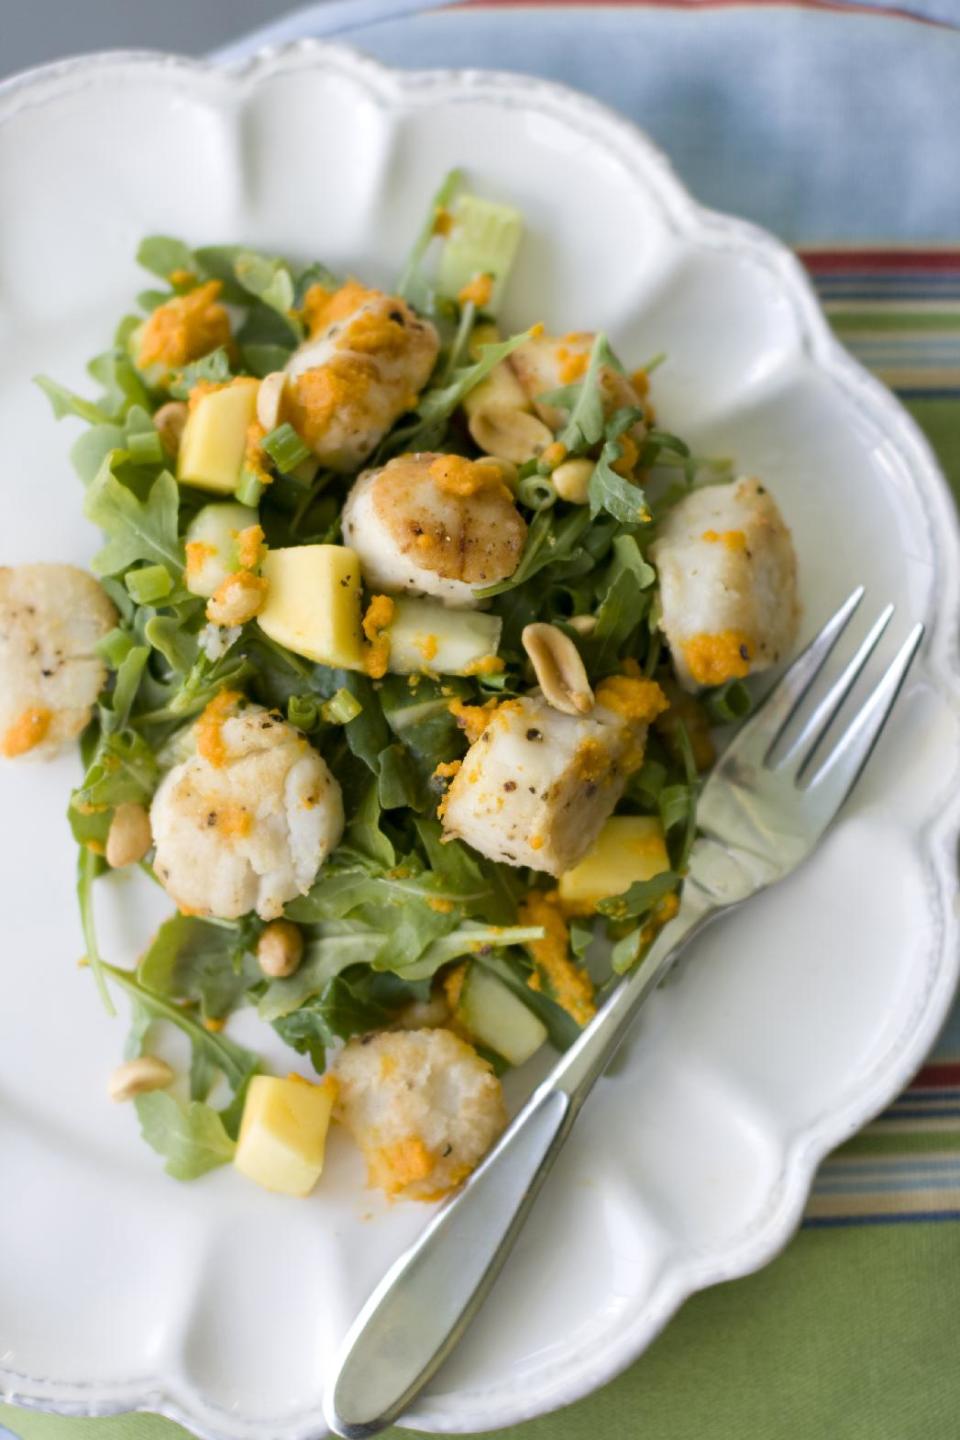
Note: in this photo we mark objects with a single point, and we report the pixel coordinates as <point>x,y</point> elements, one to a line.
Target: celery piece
<point>341,708</point>
<point>148,584</point>
<point>483,241</point>
<point>145,448</point>
<point>250,489</point>
<point>285,448</point>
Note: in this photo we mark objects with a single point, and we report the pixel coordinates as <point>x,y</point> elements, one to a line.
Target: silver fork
<point>762,811</point>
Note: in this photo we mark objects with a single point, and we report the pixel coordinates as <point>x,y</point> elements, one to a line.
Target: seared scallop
<point>434,525</point>
<point>537,785</point>
<point>51,618</point>
<point>368,357</point>
<point>549,362</point>
<point>245,822</point>
<point>728,583</point>
<point>423,1107</point>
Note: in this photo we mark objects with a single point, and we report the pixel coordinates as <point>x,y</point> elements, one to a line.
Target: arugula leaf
<point>135,529</point>
<point>67,402</point>
<point>621,498</point>
<point>367,733</point>
<point>397,782</point>
<point>394,906</point>
<point>623,607</point>
<point>581,938</point>
<point>124,770</point>
<point>196,960</point>
<point>675,802</point>
<point>90,449</point>
<point>89,866</point>
<point>122,386</point>
<point>640,897</point>
<point>214,368</point>
<point>419,715</point>
<point>585,425</point>
<point>162,254</point>
<point>192,1138</point>
<point>305,1030</point>
<point>352,1003</point>
<point>127,683</point>
<point>436,405</point>
<point>468,939</point>
<point>269,279</point>
<point>646,785</point>
<point>262,357</point>
<point>216,262</point>
<point>365,838</point>
<point>333,947</point>
<point>628,950</point>
<point>549,541</point>
<point>179,647</point>
<point>212,1053</point>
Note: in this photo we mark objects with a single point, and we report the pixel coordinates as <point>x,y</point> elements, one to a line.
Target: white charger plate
<point>793,1022</point>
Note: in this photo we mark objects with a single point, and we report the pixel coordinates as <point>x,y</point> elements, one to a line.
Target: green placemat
<point>850,1335</point>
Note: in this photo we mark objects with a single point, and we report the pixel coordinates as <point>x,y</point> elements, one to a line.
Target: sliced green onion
<point>303,711</point>
<point>145,448</point>
<point>732,702</point>
<point>341,708</point>
<point>152,582</point>
<point>536,492</point>
<point>250,489</point>
<point>285,448</point>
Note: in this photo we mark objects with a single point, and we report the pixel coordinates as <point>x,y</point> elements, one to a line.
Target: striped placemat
<point>898,311</point>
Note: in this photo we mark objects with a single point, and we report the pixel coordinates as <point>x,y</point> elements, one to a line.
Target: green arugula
<point>135,529</point>
<point>207,963</point>
<point>192,1138</point>
<point>213,1054</point>
<point>163,254</point>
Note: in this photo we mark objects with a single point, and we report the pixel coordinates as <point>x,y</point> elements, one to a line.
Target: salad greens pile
<point>392,907</point>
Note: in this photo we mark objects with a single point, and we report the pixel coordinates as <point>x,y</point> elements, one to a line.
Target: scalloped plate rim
<point>937,839</point>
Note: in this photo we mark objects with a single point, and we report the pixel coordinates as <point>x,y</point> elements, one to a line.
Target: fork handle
<point>421,1308</point>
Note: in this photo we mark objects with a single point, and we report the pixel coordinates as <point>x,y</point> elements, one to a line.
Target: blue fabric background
<point>819,125</point>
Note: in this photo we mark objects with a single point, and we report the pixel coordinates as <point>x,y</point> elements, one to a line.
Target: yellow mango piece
<point>628,848</point>
<point>283,1133</point>
<point>313,603</point>
<point>215,437</point>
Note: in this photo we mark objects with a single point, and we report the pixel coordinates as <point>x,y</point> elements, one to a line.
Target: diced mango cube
<point>214,438</point>
<point>313,603</point>
<point>283,1132</point>
<point>628,848</point>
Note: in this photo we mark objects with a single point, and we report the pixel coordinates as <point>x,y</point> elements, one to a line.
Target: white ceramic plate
<point>795,1020</point>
